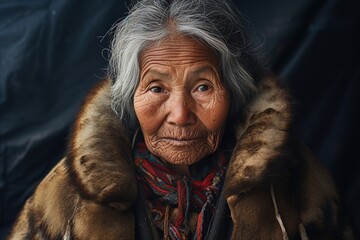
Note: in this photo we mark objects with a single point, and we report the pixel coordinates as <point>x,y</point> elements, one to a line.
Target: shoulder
<point>93,187</point>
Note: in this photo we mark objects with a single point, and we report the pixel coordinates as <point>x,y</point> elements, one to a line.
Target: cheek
<point>148,113</point>
<point>214,114</point>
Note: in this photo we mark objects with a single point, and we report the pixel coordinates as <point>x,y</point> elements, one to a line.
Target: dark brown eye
<point>203,88</point>
<point>156,89</point>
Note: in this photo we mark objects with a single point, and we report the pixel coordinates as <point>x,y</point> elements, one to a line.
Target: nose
<point>180,111</point>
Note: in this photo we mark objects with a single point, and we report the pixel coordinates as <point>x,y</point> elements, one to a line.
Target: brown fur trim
<point>261,139</point>
<point>56,203</point>
<point>47,211</point>
<point>100,160</point>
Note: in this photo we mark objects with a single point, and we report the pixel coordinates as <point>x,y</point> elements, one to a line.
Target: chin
<point>182,157</point>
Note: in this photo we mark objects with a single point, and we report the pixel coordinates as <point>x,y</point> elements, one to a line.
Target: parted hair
<point>216,24</point>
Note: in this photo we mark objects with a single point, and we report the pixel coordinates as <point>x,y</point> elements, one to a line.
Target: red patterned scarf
<point>167,192</point>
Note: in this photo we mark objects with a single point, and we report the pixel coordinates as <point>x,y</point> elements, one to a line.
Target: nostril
<point>181,114</point>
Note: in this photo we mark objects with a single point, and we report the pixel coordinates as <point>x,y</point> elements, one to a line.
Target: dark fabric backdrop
<point>53,51</point>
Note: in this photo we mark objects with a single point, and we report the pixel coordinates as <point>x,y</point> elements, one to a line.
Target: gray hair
<point>215,23</point>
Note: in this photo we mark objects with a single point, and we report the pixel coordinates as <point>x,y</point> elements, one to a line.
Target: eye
<point>156,89</point>
<point>202,88</point>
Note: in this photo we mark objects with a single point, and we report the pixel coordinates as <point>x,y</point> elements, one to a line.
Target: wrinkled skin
<point>180,102</point>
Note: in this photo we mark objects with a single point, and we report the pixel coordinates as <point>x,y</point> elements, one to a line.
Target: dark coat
<point>274,187</point>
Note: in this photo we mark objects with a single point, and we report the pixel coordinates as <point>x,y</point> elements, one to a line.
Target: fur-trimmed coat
<point>274,187</point>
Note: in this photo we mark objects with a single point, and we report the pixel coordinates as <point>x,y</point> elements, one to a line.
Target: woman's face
<point>180,102</point>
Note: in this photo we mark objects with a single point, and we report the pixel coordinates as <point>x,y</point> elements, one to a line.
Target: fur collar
<point>100,147</point>
<point>262,135</point>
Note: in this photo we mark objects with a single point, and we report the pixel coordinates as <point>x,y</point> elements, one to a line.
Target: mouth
<point>181,141</point>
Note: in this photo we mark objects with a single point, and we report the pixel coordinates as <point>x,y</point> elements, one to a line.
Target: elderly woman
<point>189,139</point>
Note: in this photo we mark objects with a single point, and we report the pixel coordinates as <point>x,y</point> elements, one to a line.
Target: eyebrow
<point>164,74</point>
<point>201,70</point>
<point>157,73</point>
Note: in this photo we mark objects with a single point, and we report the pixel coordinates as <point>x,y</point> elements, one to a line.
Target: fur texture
<point>89,193</point>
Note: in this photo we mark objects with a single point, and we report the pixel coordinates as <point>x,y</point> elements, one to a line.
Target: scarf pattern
<point>170,193</point>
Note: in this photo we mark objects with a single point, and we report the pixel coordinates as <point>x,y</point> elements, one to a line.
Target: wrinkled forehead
<point>178,49</point>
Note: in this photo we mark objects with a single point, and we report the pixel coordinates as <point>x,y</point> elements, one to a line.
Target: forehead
<point>178,50</point>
